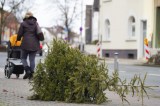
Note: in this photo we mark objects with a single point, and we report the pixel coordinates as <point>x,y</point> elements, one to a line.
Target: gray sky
<point>43,11</point>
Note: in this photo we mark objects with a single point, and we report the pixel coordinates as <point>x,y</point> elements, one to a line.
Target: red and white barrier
<point>146,48</point>
<point>98,49</point>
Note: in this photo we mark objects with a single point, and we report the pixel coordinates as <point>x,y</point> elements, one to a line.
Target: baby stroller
<point>13,61</point>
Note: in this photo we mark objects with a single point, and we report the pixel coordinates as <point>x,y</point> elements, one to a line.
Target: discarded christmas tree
<point>68,75</point>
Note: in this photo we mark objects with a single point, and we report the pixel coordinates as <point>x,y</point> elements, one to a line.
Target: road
<point>127,71</point>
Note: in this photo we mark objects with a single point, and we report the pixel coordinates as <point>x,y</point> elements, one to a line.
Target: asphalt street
<point>127,71</point>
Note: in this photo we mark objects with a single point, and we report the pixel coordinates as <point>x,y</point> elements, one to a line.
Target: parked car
<point>5,43</point>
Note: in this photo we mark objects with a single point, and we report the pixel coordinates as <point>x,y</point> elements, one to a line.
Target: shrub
<point>155,59</point>
<point>68,75</point>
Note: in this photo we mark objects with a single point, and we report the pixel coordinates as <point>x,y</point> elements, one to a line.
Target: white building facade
<point>95,20</point>
<point>95,25</point>
<point>124,24</point>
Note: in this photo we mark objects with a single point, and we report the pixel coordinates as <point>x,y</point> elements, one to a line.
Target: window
<point>132,27</point>
<point>105,1</point>
<point>107,29</point>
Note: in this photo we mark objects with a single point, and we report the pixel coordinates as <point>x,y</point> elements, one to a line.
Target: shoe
<point>31,74</point>
<point>26,76</point>
<point>28,72</point>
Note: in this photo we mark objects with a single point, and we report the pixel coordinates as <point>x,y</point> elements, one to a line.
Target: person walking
<point>30,43</point>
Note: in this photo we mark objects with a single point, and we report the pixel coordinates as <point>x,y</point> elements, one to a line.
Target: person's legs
<point>32,56</point>
<point>24,58</point>
<point>25,64</point>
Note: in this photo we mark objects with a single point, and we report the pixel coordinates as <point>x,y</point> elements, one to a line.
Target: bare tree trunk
<point>68,10</point>
<point>2,18</point>
<point>14,5</point>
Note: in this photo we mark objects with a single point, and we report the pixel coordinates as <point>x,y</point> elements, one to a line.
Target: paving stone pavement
<point>14,92</point>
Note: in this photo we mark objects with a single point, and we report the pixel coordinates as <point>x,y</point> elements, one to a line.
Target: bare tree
<point>8,9</point>
<point>69,13</point>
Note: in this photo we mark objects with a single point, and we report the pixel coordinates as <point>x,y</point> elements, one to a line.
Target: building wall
<point>157,24</point>
<point>88,24</point>
<point>95,20</point>
<point>10,28</point>
<point>90,49</point>
<point>118,13</point>
<point>95,26</point>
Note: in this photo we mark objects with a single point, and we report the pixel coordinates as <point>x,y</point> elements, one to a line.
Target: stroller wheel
<point>9,72</point>
<point>5,70</point>
<point>17,75</point>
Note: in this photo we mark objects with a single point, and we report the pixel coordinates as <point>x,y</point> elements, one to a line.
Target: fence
<point>91,49</point>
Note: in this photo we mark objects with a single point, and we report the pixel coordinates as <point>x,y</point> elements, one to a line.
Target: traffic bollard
<point>116,61</point>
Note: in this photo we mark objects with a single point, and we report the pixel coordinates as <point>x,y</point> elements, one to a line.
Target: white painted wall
<point>48,37</point>
<point>91,49</point>
<point>148,15</point>
<point>118,13</point>
<point>95,25</point>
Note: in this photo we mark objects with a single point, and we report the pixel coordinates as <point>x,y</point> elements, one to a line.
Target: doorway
<point>157,38</point>
<point>143,35</point>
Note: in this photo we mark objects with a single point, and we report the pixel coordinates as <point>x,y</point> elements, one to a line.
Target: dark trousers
<point>32,55</point>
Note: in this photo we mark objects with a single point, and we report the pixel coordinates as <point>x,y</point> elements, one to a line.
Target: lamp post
<point>81,43</point>
<point>81,28</point>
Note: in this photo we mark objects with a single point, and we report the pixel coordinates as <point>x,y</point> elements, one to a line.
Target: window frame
<point>107,30</point>
<point>131,27</point>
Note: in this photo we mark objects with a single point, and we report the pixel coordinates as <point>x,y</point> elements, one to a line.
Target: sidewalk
<point>140,62</point>
<point>14,92</point>
<point>126,61</point>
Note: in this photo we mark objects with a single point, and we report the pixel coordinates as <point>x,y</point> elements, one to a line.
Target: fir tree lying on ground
<point>70,76</point>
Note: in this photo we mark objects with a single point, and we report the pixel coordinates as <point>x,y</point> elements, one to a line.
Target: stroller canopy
<point>13,40</point>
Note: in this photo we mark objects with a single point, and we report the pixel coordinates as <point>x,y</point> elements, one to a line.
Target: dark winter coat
<point>28,30</point>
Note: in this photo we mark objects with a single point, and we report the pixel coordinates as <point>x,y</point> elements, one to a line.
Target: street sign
<point>80,29</point>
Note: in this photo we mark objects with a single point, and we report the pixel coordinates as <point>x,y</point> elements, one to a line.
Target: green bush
<point>155,59</point>
<point>70,76</point>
